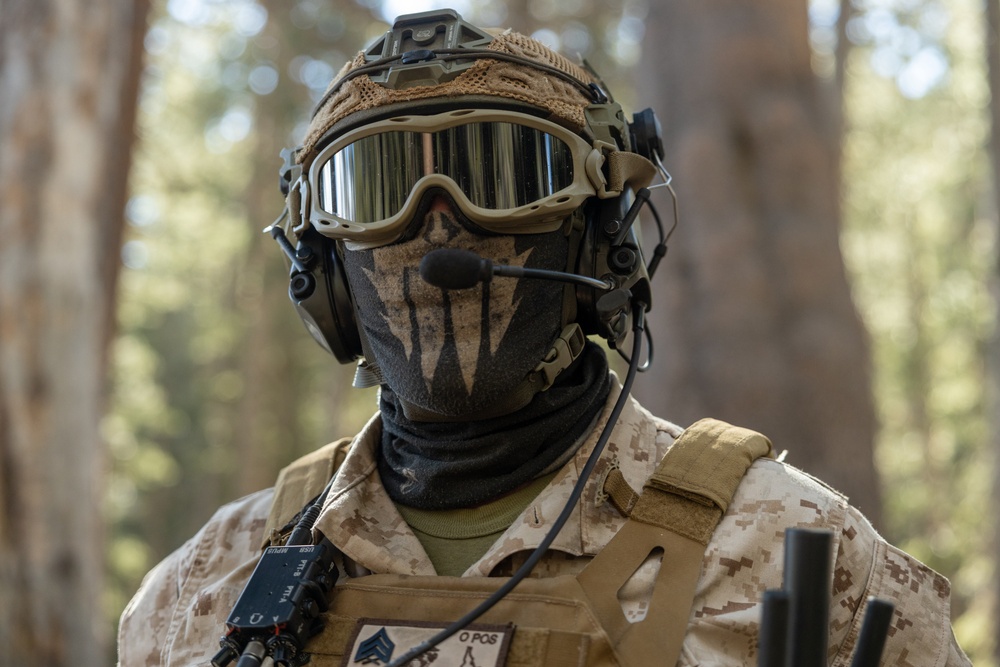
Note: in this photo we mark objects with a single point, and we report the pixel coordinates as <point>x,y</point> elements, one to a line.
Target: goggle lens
<point>497,165</point>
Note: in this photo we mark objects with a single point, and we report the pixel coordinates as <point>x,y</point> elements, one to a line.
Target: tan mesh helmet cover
<point>485,77</point>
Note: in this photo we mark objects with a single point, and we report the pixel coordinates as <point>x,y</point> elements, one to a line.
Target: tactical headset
<point>608,245</point>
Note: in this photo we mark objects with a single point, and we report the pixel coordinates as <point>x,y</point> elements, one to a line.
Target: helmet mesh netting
<point>564,101</point>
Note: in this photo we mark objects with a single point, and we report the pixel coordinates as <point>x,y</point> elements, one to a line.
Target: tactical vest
<point>553,621</point>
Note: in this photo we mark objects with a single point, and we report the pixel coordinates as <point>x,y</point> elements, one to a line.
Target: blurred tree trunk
<point>753,314</point>
<point>992,41</point>
<point>68,85</point>
<point>269,427</point>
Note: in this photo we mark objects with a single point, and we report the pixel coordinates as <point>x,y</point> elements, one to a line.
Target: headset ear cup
<point>603,220</point>
<point>322,297</point>
<point>646,135</point>
<point>586,262</point>
<point>598,258</point>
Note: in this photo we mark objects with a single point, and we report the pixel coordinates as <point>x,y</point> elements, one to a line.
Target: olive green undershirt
<point>455,539</point>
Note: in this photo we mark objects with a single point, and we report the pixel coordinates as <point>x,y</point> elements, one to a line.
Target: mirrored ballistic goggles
<point>509,172</point>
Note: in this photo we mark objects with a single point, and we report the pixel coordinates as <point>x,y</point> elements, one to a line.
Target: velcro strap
<point>708,462</point>
<point>678,515</point>
<point>621,496</point>
<point>696,480</point>
<point>628,169</point>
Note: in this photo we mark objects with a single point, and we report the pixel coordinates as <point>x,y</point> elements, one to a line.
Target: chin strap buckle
<point>565,350</point>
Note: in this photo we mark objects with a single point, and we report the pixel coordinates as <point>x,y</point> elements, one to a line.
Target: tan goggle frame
<point>543,215</point>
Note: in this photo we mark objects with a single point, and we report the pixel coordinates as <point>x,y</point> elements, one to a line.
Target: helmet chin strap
<point>565,349</point>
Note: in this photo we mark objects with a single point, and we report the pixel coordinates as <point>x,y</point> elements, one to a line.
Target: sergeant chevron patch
<point>378,642</point>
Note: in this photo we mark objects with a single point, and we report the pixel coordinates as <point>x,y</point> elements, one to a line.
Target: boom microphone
<point>454,268</point>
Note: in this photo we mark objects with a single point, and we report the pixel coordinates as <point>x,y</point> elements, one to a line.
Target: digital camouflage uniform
<point>180,611</point>
<point>178,614</point>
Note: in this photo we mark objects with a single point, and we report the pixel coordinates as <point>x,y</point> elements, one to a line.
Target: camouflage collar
<point>362,520</point>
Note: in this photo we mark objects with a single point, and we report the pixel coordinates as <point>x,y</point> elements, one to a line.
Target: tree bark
<point>268,430</point>
<point>992,41</point>
<point>753,314</point>
<point>68,85</point>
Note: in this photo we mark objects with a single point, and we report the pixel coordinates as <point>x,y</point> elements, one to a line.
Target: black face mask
<point>457,353</point>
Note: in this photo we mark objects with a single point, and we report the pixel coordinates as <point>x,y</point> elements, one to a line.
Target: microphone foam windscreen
<point>453,268</point>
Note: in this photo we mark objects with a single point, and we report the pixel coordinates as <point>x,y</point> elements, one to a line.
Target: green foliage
<point>193,302</point>
<point>216,383</point>
<point>920,245</point>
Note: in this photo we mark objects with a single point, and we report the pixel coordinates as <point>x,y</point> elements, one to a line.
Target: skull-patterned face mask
<point>457,353</point>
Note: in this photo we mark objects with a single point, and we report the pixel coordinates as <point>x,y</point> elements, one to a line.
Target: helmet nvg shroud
<point>520,138</point>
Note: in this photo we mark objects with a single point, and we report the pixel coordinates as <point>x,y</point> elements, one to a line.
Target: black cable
<point>302,533</point>
<point>638,326</point>
<point>661,248</point>
<point>659,222</point>
<point>649,355</point>
<point>677,215</point>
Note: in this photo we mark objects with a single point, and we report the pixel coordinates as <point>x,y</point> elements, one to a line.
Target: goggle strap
<point>627,169</point>
<point>293,204</point>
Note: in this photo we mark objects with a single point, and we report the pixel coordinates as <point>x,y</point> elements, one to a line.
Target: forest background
<point>832,279</point>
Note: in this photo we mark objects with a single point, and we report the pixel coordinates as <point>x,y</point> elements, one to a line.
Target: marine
<point>460,222</point>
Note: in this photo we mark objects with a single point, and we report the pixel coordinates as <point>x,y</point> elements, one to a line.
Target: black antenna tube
<point>641,197</point>
<point>773,640</point>
<point>874,630</point>
<point>807,579</point>
<point>278,234</point>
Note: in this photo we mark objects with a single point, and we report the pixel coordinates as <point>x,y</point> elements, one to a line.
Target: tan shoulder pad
<point>697,478</point>
<point>709,461</point>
